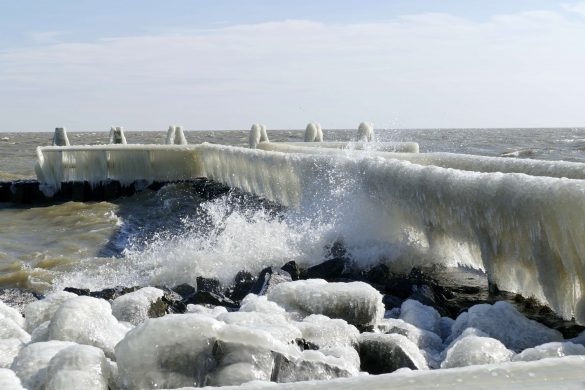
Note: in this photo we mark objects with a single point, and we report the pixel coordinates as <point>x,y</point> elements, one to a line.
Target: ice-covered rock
<point>268,278</point>
<point>548,350</point>
<point>383,353</point>
<point>310,365</point>
<point>275,324</point>
<point>134,307</point>
<point>40,333</point>
<point>87,320</point>
<point>78,367</point>
<point>32,361</point>
<point>36,313</point>
<point>261,304</point>
<point>503,322</point>
<point>445,327</point>
<point>9,349</point>
<point>9,380</point>
<point>423,338</point>
<point>212,312</point>
<point>10,329</point>
<point>12,313</point>
<point>473,350</point>
<point>357,303</point>
<point>419,315</point>
<point>326,332</point>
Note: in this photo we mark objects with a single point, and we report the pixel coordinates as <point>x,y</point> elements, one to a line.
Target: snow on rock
<point>32,361</point>
<point>421,316</point>
<point>383,353</point>
<point>325,332</point>
<point>212,312</point>
<point>275,324</point>
<point>423,338</point>
<point>548,350</point>
<point>9,380</point>
<point>87,320</point>
<point>78,367</point>
<point>134,307</point>
<point>503,322</point>
<point>36,313</point>
<point>473,350</point>
<point>11,313</point>
<point>10,329</point>
<point>9,349</point>
<point>357,303</point>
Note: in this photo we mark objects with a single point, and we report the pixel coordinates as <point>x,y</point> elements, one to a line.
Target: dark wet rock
<point>208,284</point>
<point>171,302</point>
<point>18,298</point>
<point>243,282</point>
<point>384,353</point>
<point>328,270</point>
<point>391,301</point>
<point>400,286</point>
<point>268,278</point>
<point>336,249</point>
<point>109,294</point>
<point>293,269</point>
<point>211,298</point>
<point>77,291</point>
<point>378,274</point>
<point>185,290</point>
<point>306,345</point>
<point>287,370</point>
<point>208,189</point>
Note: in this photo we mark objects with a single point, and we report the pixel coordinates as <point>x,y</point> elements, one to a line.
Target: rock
<point>503,322</point>
<point>136,307</point>
<point>210,298</point>
<point>293,270</point>
<point>400,287</point>
<point>87,320</point>
<point>325,332</point>
<point>185,290</point>
<point>268,278</point>
<point>549,350</point>
<point>78,367</point>
<point>311,366</point>
<point>336,249</point>
<point>9,349</point>
<point>421,316</point>
<point>9,380</point>
<point>212,312</point>
<point>32,361</point>
<point>378,274</point>
<point>243,282</point>
<point>208,284</point>
<point>423,338</point>
<point>384,353</point>
<point>474,350</point>
<point>274,324</point>
<point>260,304</point>
<point>445,327</point>
<point>109,294</point>
<point>328,270</point>
<point>357,303</point>
<point>391,301</point>
<point>77,291</point>
<point>238,363</point>
<point>40,311</point>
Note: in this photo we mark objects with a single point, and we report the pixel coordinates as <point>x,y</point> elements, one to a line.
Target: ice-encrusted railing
<point>525,231</point>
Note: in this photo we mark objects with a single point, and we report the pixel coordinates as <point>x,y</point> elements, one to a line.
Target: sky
<point>225,64</point>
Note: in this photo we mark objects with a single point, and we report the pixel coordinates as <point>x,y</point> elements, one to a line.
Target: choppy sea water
<point>173,236</point>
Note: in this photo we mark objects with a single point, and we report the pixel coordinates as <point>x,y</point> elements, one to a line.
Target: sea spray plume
<point>60,137</point>
<point>117,135</point>
<point>365,132</point>
<point>170,135</point>
<point>257,134</point>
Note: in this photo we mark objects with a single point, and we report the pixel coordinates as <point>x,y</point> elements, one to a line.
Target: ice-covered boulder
<point>357,303</point>
<point>503,322</point>
<point>87,320</point>
<point>349,357</point>
<point>36,313</point>
<point>9,349</point>
<point>32,361</point>
<point>548,350</point>
<point>135,307</point>
<point>11,313</point>
<point>40,333</point>
<point>261,304</point>
<point>10,329</point>
<point>424,339</point>
<point>473,350</point>
<point>326,332</point>
<point>445,327</point>
<point>421,316</point>
<point>212,312</point>
<point>275,324</point>
<point>78,367</point>
<point>383,353</point>
<point>9,380</point>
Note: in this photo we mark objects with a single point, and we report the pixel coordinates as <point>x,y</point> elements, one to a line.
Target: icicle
<point>117,135</point>
<point>365,132</point>
<point>180,136</point>
<point>60,137</point>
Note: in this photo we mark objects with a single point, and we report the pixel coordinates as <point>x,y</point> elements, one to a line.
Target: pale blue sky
<point>224,64</point>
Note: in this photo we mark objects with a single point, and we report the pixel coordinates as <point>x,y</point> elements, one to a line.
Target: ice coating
<point>419,315</point>
<point>365,132</point>
<point>473,350</point>
<point>180,138</point>
<point>390,352</point>
<point>313,133</point>
<point>550,350</point>
<point>170,139</point>
<point>43,310</point>
<point>60,137</point>
<point>9,349</point>
<point>9,380</point>
<point>117,135</point>
<point>11,313</point>
<point>326,332</point>
<point>424,339</point>
<point>257,135</point>
<point>399,147</point>
<point>10,329</point>
<point>78,367</point>
<point>133,307</point>
<point>357,303</point>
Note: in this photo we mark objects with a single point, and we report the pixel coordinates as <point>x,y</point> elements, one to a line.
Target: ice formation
<point>550,350</point>
<point>357,303</point>
<point>398,147</point>
<point>43,310</point>
<point>10,329</point>
<point>9,348</point>
<point>382,353</point>
<point>11,313</point>
<point>424,339</point>
<point>60,137</point>
<point>9,380</point>
<point>133,307</point>
<point>175,136</point>
<point>313,132</point>
<point>328,332</point>
<point>419,315</point>
<point>117,135</point>
<point>78,367</point>
<point>473,350</point>
<point>258,134</point>
<point>365,132</point>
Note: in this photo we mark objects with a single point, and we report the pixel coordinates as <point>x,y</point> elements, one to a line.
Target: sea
<point>171,236</point>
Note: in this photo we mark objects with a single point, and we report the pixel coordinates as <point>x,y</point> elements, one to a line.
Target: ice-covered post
<point>170,135</point>
<point>257,134</point>
<point>365,132</point>
<point>313,132</point>
<point>117,135</point>
<point>180,136</point>
<point>60,137</point>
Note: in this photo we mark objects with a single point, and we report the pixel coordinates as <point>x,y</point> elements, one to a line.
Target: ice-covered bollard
<point>257,134</point>
<point>60,137</point>
<point>365,132</point>
<point>170,136</point>
<point>180,136</point>
<point>313,132</point>
<point>117,135</point>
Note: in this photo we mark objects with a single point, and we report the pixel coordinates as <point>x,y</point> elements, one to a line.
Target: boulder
<point>268,278</point>
<point>328,270</point>
<point>9,380</point>
<point>421,316</point>
<point>384,353</point>
<point>37,312</point>
<point>136,307</point>
<point>9,349</point>
<point>549,350</point>
<point>475,350</point>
